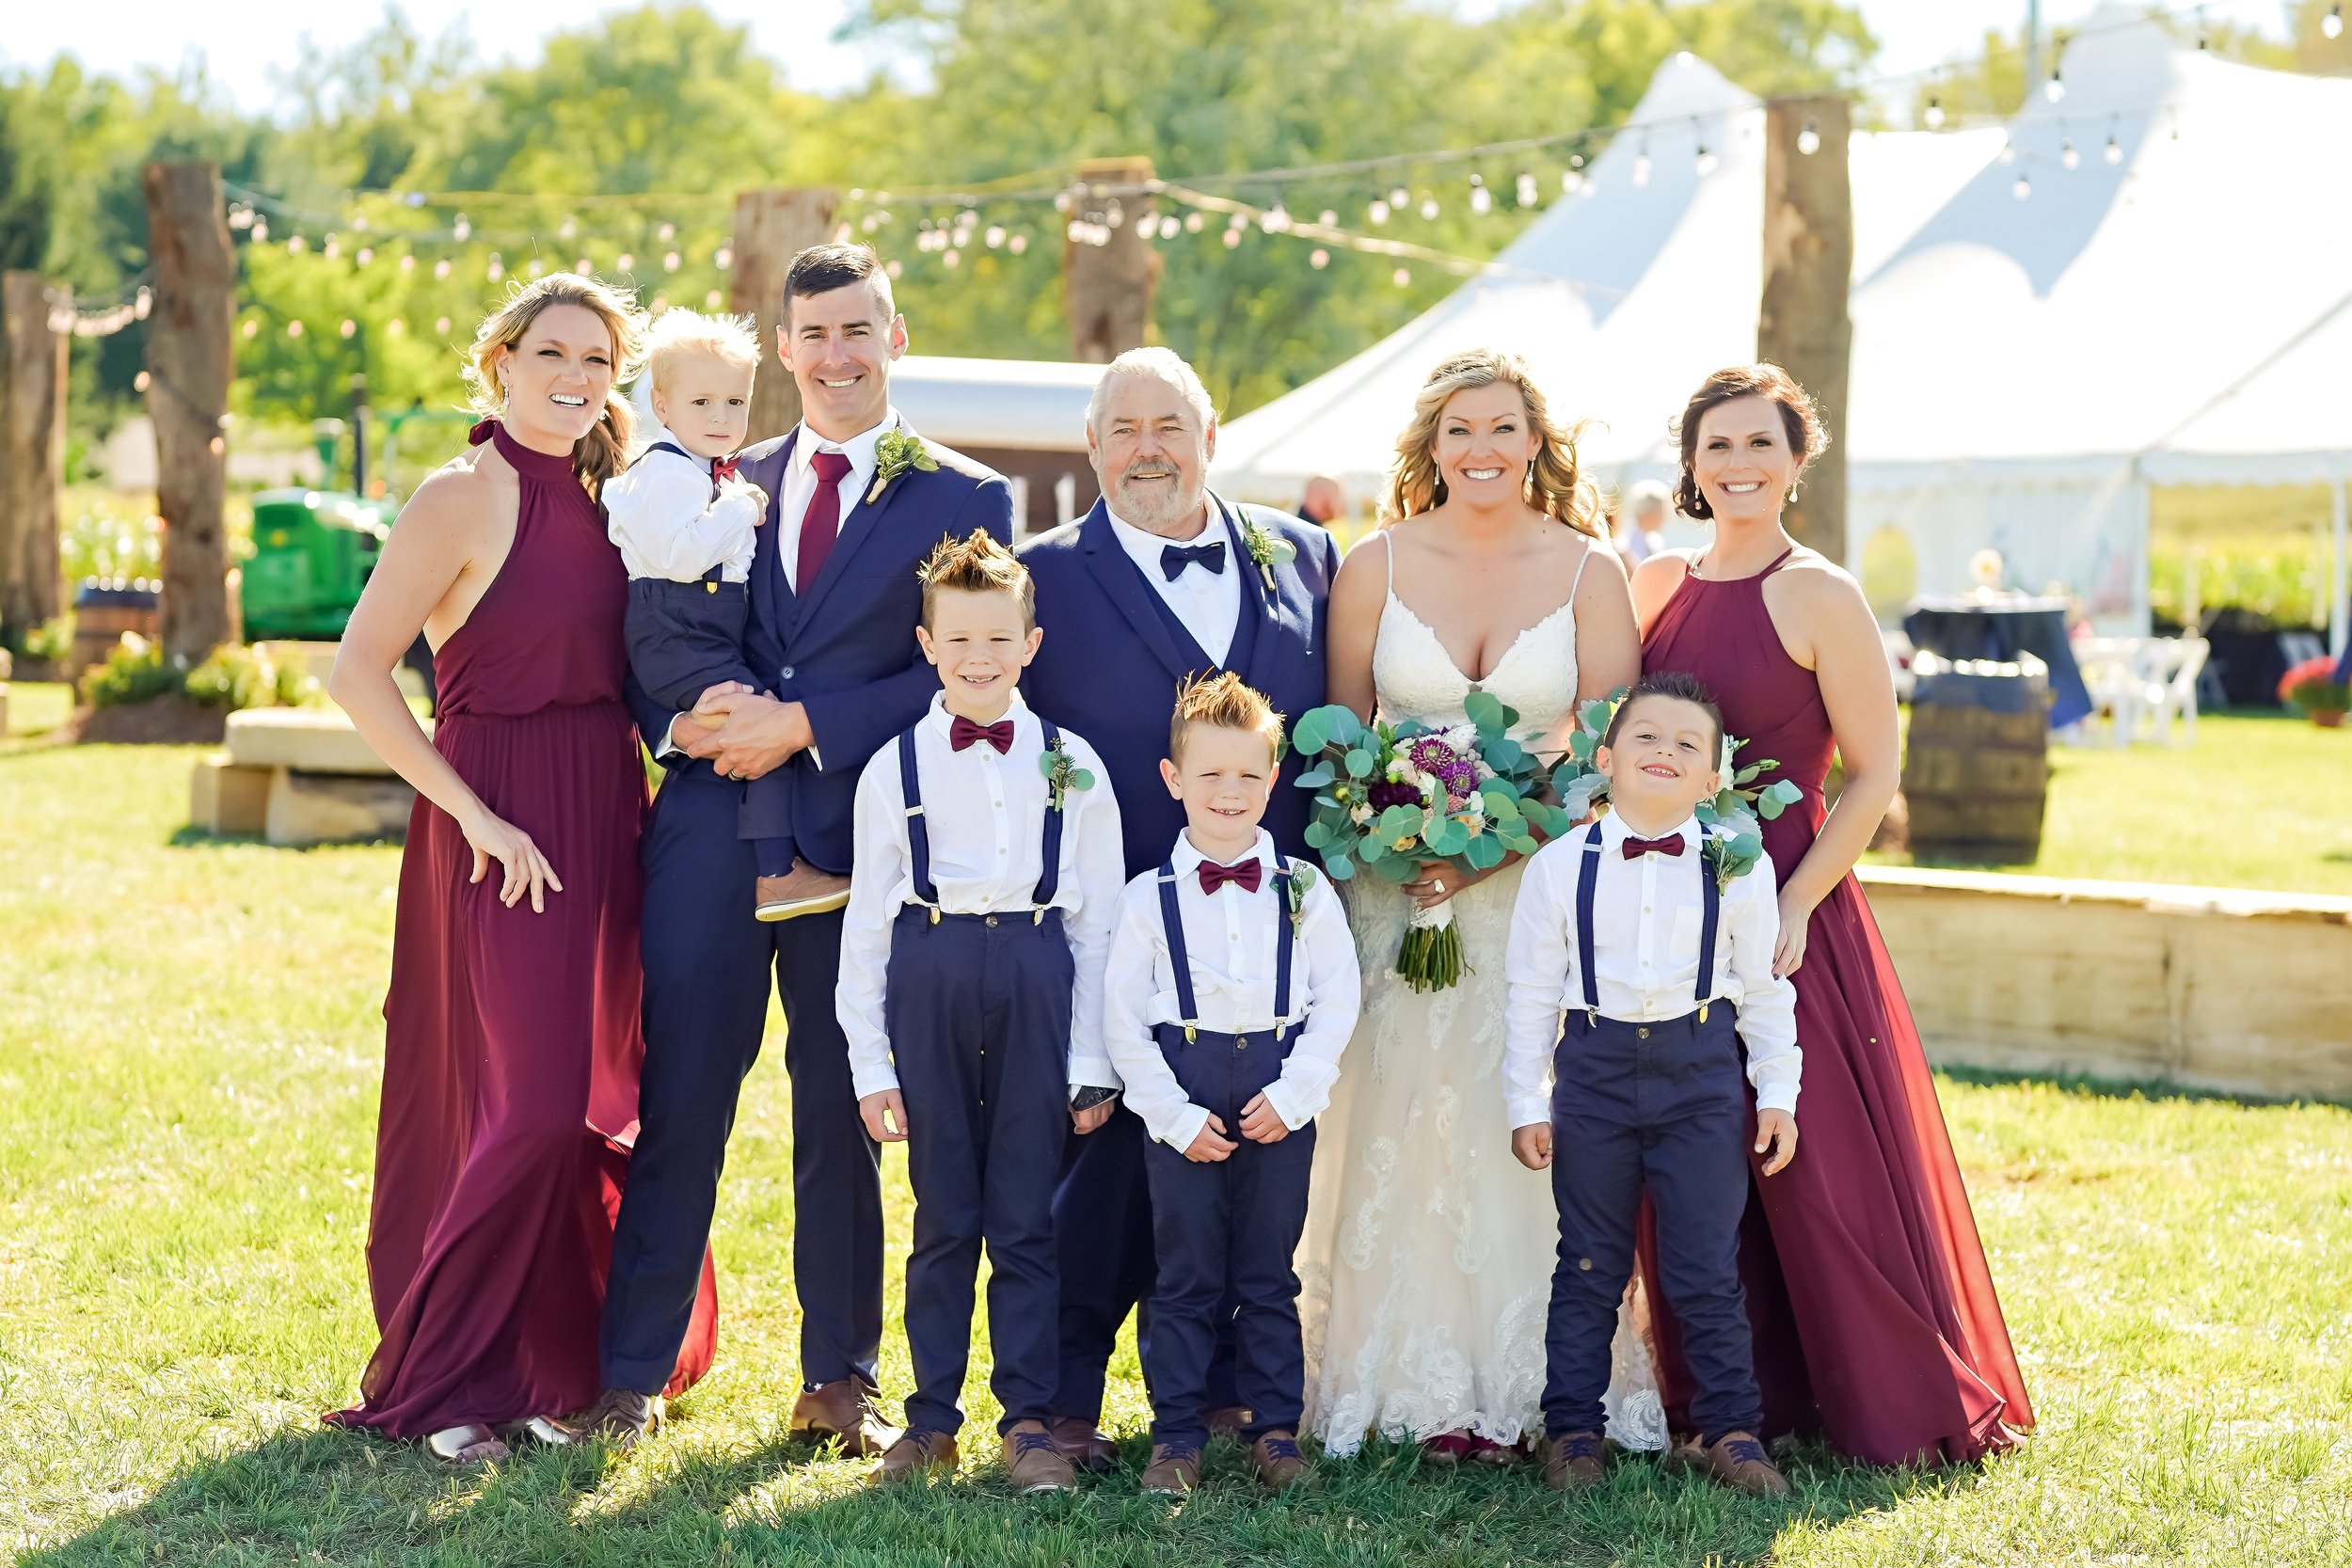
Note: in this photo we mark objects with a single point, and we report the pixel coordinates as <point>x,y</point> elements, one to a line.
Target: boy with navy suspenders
<point>987,876</point>
<point>1231,991</point>
<point>684,523</point>
<point>1640,976</point>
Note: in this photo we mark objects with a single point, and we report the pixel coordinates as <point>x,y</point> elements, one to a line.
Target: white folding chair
<point>2171,692</point>
<point>2112,673</point>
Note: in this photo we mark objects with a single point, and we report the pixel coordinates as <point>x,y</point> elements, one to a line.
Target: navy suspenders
<point>1172,922</point>
<point>1711,909</point>
<point>919,838</point>
<point>712,577</point>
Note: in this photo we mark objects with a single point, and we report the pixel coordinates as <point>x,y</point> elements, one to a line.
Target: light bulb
<point>2332,25</point>
<point>1400,197</point>
<point>1017,244</point>
<point>2068,157</point>
<point>1194,223</point>
<point>995,237</point>
<point>1934,117</point>
<point>1809,140</point>
<point>1232,239</point>
<point>2115,149</point>
<point>2022,189</point>
<point>2008,153</point>
<point>1482,201</point>
<point>1641,168</point>
<point>1328,217</point>
<point>1707,162</point>
<point>462,228</point>
<point>1277,219</point>
<point>1429,209</point>
<point>1526,190</point>
<point>1318,258</point>
<point>1569,181</point>
<point>2053,90</point>
<point>1378,212</point>
<point>1401,276</point>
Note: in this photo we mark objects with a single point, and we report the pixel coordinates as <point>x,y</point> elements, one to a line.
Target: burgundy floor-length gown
<point>1877,1326</point>
<point>513,1038</point>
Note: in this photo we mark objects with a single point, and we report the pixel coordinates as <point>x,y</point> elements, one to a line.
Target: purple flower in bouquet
<point>1389,794</point>
<point>1439,759</point>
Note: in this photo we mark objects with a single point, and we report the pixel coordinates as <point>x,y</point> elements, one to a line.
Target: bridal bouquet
<point>1735,814</point>
<point>1390,797</point>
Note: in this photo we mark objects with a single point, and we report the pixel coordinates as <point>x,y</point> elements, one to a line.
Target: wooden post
<point>1808,270</point>
<point>189,363</point>
<point>1109,285</point>
<point>32,454</point>
<point>771,227</point>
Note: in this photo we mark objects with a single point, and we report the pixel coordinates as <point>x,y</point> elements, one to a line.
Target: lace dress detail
<point>1426,1267</point>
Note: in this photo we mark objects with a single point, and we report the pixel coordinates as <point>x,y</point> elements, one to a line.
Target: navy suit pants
<point>978,1007</point>
<point>707,965</point>
<point>1662,1108</point>
<point>1226,1233</point>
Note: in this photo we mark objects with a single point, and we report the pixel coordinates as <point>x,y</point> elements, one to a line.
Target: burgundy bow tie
<point>963,732</point>
<point>723,469</point>
<point>1248,873</point>
<point>1636,847</point>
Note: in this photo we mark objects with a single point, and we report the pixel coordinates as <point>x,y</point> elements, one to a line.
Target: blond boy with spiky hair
<point>1229,993</point>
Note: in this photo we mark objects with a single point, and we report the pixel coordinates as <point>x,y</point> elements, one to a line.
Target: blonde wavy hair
<point>604,451</point>
<point>1555,484</point>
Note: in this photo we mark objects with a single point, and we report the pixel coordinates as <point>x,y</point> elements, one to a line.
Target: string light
<point>348,327</point>
<point>723,258</point>
<point>995,237</point>
<point>293,329</point>
<point>1017,244</point>
<point>2053,90</point>
<point>1482,201</point>
<point>440,324</point>
<point>496,269</point>
<point>1641,162</point>
<point>294,246</point>
<point>1429,209</point>
<point>408,261</point>
<point>667,232</point>
<point>2070,159</point>
<point>1934,117</point>
<point>331,249</point>
<point>1809,140</point>
<point>1318,258</point>
<point>2332,25</point>
<point>366,253</point>
<point>1707,162</point>
<point>2115,149</point>
<point>461,228</point>
<point>1328,217</point>
<point>2023,186</point>
<point>1194,223</point>
<point>1400,198</point>
<point>627,263</point>
<point>1378,212</point>
<point>1525,190</point>
<point>260,228</point>
<point>440,269</point>
<point>252,328</point>
<point>669,260</point>
<point>1401,276</point>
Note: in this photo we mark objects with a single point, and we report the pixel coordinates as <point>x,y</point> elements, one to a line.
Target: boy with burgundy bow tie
<point>1231,991</point>
<point>986,878</point>
<point>684,523</point>
<point>1647,974</point>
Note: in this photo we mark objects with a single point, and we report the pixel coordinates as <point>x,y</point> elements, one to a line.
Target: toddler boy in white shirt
<point>686,523</point>
<point>1640,975</point>
<point>1231,991</point>
<point>987,873</point>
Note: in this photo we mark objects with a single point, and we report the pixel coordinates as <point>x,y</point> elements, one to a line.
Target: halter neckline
<point>525,460</point>
<point>1692,572</point>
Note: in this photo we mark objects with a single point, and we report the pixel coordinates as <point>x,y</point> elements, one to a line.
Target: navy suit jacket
<point>844,648</point>
<point>1114,655</point>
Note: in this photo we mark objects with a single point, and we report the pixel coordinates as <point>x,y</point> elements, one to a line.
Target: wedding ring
<point>1436,884</point>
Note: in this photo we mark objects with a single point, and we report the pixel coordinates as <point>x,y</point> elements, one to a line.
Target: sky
<point>121,34</point>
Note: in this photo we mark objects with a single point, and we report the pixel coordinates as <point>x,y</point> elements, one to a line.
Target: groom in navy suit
<point>1161,582</point>
<point>831,672</point>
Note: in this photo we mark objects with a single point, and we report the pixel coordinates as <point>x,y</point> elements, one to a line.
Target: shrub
<point>230,677</point>
<point>135,672</point>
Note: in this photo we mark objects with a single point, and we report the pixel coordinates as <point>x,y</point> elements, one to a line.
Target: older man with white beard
<point>1162,581</point>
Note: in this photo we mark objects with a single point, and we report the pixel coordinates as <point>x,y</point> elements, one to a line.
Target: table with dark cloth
<point>1958,629</point>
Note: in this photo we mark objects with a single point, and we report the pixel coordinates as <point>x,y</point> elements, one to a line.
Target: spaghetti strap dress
<point>1877,1326</point>
<point>513,1038</point>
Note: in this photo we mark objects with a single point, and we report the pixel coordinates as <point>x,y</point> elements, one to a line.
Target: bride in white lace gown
<point>1429,1255</point>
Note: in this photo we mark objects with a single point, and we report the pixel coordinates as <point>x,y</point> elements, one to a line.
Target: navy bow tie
<point>1636,847</point>
<point>1175,558</point>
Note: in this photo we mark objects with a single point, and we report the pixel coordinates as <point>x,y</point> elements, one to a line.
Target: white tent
<point>2131,282</point>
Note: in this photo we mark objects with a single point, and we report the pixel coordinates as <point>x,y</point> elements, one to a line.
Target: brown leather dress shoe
<point>1737,1460</point>
<point>1172,1473</point>
<point>844,1410</point>
<point>1227,1421</point>
<point>803,890</point>
<point>1082,1442</point>
<point>1572,1462</point>
<point>917,1456</point>
<point>1032,1464</point>
<point>621,1416</point>
<point>1278,1461</point>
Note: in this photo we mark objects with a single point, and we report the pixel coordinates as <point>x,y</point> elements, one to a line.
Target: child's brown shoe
<point>803,890</point>
<point>1032,1464</point>
<point>917,1456</point>
<point>1737,1460</point>
<point>1572,1462</point>
<point>1173,1471</point>
<point>1278,1461</point>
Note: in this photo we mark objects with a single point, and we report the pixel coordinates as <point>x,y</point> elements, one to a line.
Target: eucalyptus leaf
<point>1485,852</point>
<point>1082,779</point>
<point>1340,867</point>
<point>1318,834</point>
<point>1340,721</point>
<point>1582,744</point>
<point>1315,777</point>
<point>1397,869</point>
<point>1360,764</point>
<point>1372,848</point>
<point>1485,710</point>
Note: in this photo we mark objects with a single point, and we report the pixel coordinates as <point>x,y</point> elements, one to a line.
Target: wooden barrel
<point>1976,766</point>
<point>102,611</point>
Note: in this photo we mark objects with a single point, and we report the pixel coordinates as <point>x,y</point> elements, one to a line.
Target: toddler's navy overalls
<point>1661,1107</point>
<point>1227,1231</point>
<point>977,1009</point>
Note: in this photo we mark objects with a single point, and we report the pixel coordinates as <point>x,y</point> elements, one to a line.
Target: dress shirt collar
<point>1187,859</point>
<point>1614,831</point>
<point>858,449</point>
<point>663,433</point>
<point>1145,545</point>
<point>940,720</point>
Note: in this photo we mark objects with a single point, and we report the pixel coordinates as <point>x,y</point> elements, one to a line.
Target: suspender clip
<point>1280,1029</point>
<point>1702,1012</point>
<point>1191,1034</point>
<point>710,588</point>
<point>1036,916</point>
<point>934,914</point>
<point>915,810</point>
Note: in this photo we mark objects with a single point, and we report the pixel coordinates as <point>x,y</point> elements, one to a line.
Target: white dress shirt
<point>1208,603</point>
<point>1229,937</point>
<point>985,817</point>
<point>799,484</point>
<point>672,522</point>
<point>1647,916</point>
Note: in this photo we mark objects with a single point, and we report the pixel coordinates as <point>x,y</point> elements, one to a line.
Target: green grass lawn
<point>189,1049</point>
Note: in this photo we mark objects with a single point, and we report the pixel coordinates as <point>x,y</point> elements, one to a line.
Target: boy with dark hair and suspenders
<point>1231,991</point>
<point>1639,974</point>
<point>987,876</point>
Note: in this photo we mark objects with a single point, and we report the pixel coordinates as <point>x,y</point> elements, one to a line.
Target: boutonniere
<point>1062,774</point>
<point>1302,882</point>
<point>1266,548</point>
<point>894,455</point>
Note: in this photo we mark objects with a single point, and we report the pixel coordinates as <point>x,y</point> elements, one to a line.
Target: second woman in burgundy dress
<point>512,1035</point>
<point>1876,1319</point>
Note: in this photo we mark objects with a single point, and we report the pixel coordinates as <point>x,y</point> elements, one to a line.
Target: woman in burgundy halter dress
<point>512,1035</point>
<point>1876,1319</point>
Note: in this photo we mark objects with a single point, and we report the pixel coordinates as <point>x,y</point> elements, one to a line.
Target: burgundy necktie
<point>963,732</point>
<point>1213,875</point>
<point>1636,847</point>
<point>821,524</point>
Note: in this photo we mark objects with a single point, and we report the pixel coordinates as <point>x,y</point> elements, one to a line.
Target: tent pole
<point>2339,610</point>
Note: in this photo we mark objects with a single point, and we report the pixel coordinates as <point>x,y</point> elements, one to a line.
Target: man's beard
<point>1153,507</point>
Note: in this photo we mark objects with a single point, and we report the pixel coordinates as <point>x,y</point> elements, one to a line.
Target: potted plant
<point>2313,687</point>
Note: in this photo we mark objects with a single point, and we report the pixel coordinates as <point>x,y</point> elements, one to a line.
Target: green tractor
<point>313,551</point>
